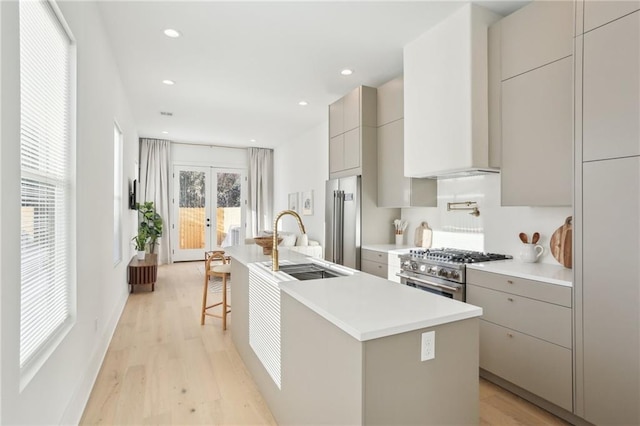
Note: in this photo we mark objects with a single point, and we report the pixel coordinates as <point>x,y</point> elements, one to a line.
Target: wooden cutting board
<point>423,236</point>
<point>560,243</point>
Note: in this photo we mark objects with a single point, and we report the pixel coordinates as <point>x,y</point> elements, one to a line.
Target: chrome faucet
<point>274,252</point>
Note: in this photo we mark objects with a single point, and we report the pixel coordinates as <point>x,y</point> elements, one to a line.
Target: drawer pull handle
<point>510,335</point>
<point>510,281</point>
<point>510,299</point>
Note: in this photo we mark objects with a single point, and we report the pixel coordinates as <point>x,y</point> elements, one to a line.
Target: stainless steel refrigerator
<point>342,221</point>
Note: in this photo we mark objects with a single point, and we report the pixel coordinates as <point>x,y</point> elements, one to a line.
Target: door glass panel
<point>192,210</point>
<point>228,212</point>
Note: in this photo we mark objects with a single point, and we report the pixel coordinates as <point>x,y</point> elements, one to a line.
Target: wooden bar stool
<point>216,265</point>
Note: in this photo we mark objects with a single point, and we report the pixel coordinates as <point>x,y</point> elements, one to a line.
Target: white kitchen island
<point>350,349</point>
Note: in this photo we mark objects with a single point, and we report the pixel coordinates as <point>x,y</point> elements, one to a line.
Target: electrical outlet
<point>428,347</point>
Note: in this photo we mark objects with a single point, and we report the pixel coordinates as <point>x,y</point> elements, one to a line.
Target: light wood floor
<point>163,367</point>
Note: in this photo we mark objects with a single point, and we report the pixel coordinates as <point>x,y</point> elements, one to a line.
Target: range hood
<point>446,97</point>
<point>451,174</point>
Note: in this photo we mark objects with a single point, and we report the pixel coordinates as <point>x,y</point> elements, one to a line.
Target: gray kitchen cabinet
<point>336,118</point>
<point>611,290</point>
<point>525,334</point>
<point>374,263</point>
<point>494,38</point>
<point>537,136</point>
<point>536,35</point>
<point>391,101</point>
<point>611,100</point>
<point>542,368</point>
<point>600,12</point>
<point>394,189</point>
<point>348,118</point>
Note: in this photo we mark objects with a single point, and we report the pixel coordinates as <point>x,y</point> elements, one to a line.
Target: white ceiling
<point>242,67</point>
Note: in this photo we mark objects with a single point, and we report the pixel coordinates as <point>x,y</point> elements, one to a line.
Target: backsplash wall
<point>497,227</point>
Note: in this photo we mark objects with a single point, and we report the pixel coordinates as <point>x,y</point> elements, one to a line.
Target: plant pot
<point>141,254</point>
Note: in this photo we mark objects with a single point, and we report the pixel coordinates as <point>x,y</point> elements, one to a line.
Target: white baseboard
<point>75,409</point>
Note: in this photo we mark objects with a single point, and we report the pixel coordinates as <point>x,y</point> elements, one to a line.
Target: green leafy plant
<point>140,240</point>
<point>150,222</point>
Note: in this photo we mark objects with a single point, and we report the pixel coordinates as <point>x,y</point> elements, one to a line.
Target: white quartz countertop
<point>389,248</point>
<point>367,307</point>
<point>362,305</point>
<point>251,253</point>
<point>546,272</point>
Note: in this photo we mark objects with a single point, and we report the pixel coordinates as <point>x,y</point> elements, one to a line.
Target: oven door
<point>434,285</point>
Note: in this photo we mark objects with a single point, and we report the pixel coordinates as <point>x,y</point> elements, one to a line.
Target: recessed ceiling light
<point>164,132</point>
<point>252,140</point>
<point>170,32</point>
<point>169,82</point>
<point>303,103</point>
<point>346,71</point>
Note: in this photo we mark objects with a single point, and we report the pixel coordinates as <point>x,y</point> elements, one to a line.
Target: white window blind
<point>46,176</point>
<point>117,194</point>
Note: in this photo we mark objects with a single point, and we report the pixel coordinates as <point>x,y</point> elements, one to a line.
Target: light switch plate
<point>428,346</point>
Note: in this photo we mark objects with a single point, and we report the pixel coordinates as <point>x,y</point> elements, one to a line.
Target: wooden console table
<point>143,271</point>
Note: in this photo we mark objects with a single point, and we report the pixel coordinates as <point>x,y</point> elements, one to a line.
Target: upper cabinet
<point>394,189</point>
<point>536,35</point>
<point>536,108</point>
<point>446,96</point>
<point>610,100</point>
<point>600,12</point>
<point>350,120</point>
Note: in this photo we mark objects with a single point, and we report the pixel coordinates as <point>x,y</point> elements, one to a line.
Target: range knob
<point>433,270</point>
<point>455,275</point>
<point>423,268</point>
<point>414,265</point>
<point>443,273</point>
<point>406,264</point>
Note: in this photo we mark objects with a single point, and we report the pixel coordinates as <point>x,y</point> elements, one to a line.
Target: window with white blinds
<point>117,194</point>
<point>46,58</point>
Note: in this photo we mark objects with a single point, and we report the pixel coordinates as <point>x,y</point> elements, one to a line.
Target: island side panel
<point>321,369</point>
<point>402,389</point>
<point>239,327</point>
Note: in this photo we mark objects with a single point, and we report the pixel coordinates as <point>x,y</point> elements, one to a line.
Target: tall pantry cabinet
<point>607,211</point>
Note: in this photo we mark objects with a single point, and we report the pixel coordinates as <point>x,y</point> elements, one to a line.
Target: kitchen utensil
<point>423,235</point>
<point>535,238</point>
<point>530,253</point>
<point>560,243</point>
<point>524,238</point>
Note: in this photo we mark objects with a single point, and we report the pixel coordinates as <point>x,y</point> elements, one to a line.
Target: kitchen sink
<point>309,271</point>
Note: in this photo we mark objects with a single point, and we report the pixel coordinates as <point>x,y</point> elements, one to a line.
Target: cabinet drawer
<point>560,295</point>
<point>374,268</point>
<point>540,367</point>
<point>543,320</point>
<point>374,256</point>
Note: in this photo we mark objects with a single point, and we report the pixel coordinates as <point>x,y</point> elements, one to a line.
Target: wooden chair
<point>216,265</point>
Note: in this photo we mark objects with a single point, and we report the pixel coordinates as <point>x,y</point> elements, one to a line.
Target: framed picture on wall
<point>293,202</point>
<point>307,203</point>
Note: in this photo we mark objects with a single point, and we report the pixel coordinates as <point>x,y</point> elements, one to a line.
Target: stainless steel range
<point>441,271</point>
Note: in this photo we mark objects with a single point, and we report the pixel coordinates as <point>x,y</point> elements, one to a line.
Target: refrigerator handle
<point>335,228</point>
<point>341,227</point>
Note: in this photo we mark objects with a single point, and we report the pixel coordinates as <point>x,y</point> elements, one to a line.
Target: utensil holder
<point>399,239</point>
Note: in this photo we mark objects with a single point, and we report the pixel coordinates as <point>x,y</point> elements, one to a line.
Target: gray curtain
<point>260,190</point>
<point>155,175</point>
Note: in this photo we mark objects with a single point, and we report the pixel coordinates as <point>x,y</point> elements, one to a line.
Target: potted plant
<point>151,222</point>
<point>140,242</point>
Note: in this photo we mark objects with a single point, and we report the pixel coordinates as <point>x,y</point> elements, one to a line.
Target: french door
<point>208,210</point>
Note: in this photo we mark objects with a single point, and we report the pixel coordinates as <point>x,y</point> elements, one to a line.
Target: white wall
<point>497,227</point>
<point>59,390</point>
<point>302,164</point>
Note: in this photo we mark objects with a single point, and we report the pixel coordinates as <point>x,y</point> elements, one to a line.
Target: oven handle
<point>446,287</point>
